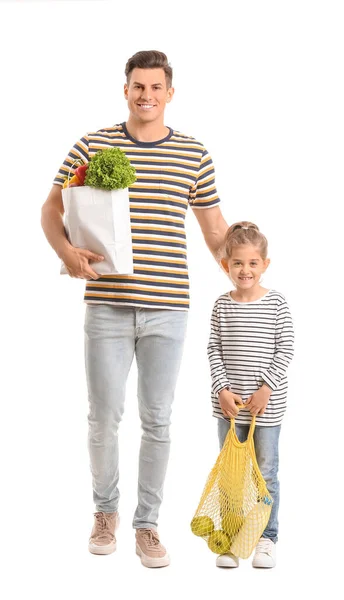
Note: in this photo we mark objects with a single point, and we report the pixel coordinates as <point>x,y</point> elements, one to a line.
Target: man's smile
<point>145,106</point>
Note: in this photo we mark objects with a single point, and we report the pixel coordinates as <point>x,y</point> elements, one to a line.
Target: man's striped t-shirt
<point>251,343</point>
<point>171,174</point>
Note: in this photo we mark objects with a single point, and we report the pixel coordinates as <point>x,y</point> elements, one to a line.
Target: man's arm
<point>214,228</point>
<point>75,259</point>
<point>52,221</point>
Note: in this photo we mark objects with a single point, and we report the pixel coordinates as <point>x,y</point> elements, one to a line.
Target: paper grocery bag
<point>99,221</point>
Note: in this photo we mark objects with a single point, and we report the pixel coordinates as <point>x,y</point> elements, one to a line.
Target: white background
<point>260,83</point>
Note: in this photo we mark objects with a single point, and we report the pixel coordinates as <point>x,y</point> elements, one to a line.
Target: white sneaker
<point>265,554</point>
<point>227,560</point>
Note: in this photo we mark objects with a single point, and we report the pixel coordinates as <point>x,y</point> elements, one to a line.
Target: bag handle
<point>76,161</point>
<point>252,426</point>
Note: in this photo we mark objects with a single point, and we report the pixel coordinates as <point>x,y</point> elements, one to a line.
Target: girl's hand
<point>228,402</point>
<point>258,402</point>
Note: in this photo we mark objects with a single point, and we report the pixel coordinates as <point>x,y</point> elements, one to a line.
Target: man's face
<point>147,94</point>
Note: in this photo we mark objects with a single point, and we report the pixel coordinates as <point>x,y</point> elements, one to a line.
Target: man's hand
<point>77,260</point>
<point>228,402</point>
<point>258,402</point>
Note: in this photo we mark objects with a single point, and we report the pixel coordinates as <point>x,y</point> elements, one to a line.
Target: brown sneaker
<point>102,540</point>
<point>149,549</point>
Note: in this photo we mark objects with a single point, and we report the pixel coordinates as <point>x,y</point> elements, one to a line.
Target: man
<point>145,313</point>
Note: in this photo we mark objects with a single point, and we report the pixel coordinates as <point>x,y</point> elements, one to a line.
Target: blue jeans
<point>113,335</point>
<point>266,446</point>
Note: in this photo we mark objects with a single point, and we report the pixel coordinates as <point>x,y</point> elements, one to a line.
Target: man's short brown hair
<point>149,59</point>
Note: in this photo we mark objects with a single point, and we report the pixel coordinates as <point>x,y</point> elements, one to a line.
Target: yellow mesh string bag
<point>235,505</point>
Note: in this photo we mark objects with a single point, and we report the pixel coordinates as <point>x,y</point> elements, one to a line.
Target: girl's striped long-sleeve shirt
<point>251,343</point>
<point>172,174</point>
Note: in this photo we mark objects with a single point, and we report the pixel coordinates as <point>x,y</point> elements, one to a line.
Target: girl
<point>250,347</point>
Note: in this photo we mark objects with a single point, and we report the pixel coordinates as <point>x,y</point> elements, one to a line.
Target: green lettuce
<point>110,169</point>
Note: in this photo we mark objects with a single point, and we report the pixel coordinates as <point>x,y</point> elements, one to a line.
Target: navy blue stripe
<point>209,173</point>
<point>170,181</point>
<point>159,253</point>
<point>72,155</point>
<point>156,222</point>
<point>210,203</point>
<point>206,184</point>
<point>81,150</point>
<point>134,301</point>
<point>170,284</point>
<point>207,162</point>
<point>164,274</point>
<point>205,194</point>
<point>91,288</point>
<point>171,193</point>
<point>156,232</point>
<point>157,211</point>
<point>159,264</point>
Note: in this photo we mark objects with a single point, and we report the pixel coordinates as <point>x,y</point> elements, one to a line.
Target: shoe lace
<point>151,537</point>
<point>102,524</point>
<point>264,545</point>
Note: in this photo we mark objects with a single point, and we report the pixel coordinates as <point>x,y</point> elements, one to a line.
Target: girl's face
<point>245,267</point>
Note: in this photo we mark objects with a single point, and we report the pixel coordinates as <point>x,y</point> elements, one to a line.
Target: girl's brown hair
<point>149,59</point>
<point>242,233</point>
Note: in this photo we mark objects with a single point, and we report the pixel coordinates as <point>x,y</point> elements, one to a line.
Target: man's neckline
<point>146,144</point>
